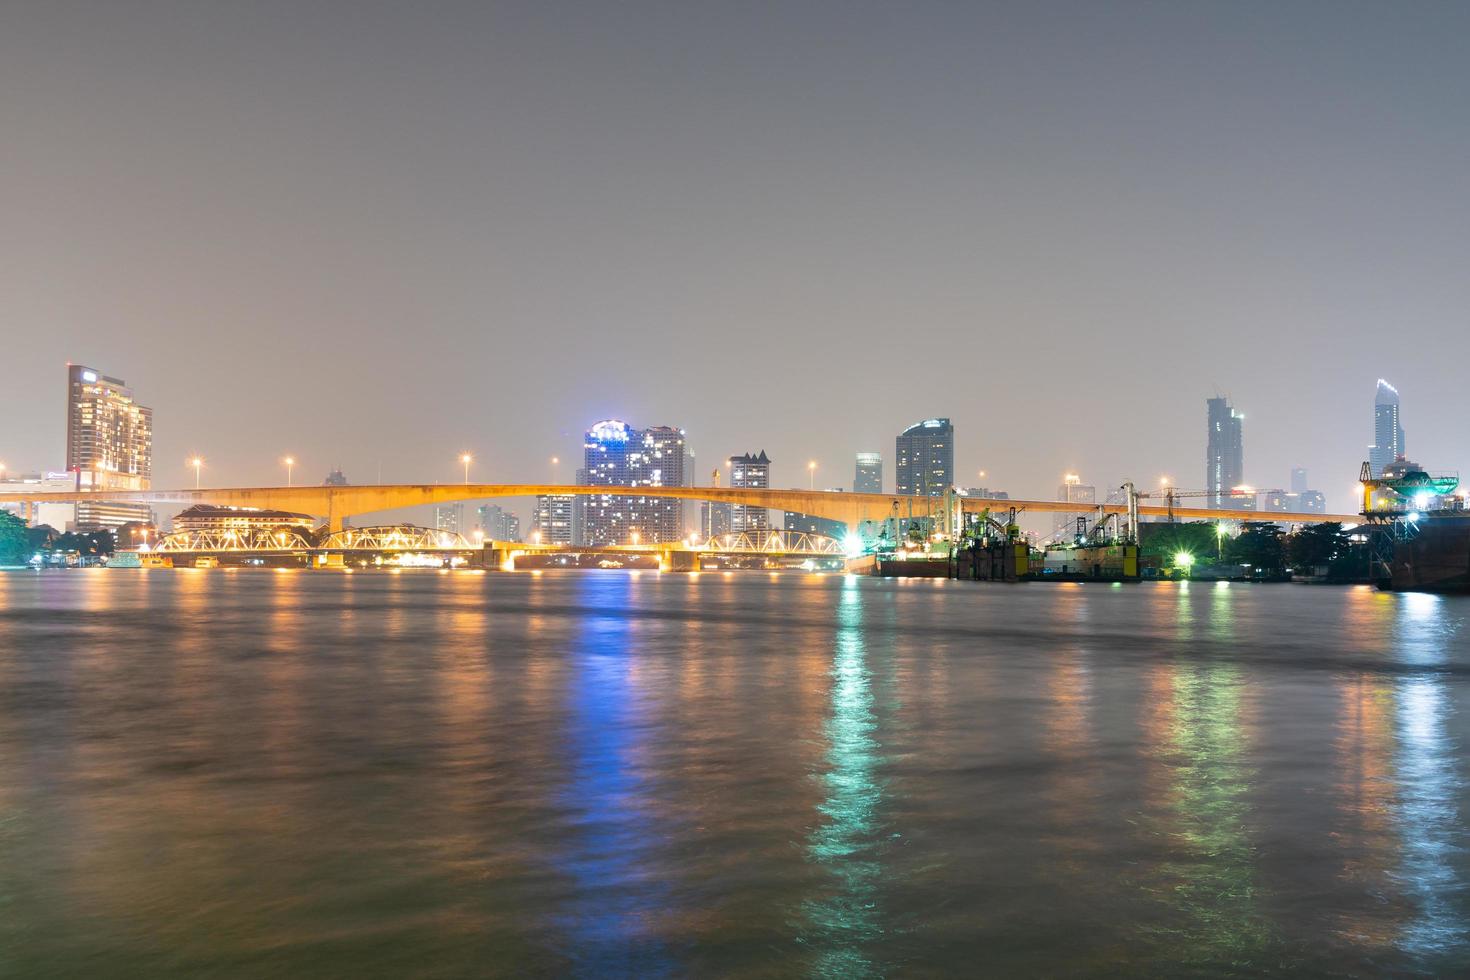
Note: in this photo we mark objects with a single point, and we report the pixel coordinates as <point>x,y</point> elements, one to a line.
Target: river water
<point>290,773</point>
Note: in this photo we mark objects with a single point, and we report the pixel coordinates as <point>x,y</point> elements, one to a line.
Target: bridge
<point>398,540</point>
<point>336,504</point>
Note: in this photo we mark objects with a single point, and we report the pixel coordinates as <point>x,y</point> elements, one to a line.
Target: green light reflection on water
<point>845,844</point>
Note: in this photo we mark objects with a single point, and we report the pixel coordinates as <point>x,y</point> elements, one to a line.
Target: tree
<point>1259,546</point>
<point>14,545</point>
<point>1161,542</point>
<point>1315,545</point>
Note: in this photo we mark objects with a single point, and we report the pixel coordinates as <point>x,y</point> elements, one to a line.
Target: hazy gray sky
<point>358,231</point>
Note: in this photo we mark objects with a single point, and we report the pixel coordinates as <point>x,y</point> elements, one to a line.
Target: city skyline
<point>313,208</point>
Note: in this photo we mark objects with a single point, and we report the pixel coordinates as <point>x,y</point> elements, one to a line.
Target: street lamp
<point>466,459</point>
<point>290,461</point>
<point>1163,481</point>
<point>811,475</point>
<point>198,464</point>
<point>635,537</point>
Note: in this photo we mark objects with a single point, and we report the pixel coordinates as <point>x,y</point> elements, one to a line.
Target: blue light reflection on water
<point>845,920</point>
<point>1429,784</point>
<point>610,924</point>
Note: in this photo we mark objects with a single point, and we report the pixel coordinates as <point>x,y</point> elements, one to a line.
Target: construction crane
<point>1171,494</point>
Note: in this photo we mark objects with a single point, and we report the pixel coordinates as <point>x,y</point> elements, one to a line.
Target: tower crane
<point>1171,494</point>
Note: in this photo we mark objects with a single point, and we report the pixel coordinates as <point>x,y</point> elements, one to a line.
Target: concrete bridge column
<point>28,512</point>
<point>678,560</point>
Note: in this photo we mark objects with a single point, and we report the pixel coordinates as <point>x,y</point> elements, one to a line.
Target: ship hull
<point>1434,558</point>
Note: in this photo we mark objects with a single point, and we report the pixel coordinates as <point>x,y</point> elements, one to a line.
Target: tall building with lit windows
<point>753,471</point>
<point>1388,433</point>
<point>1224,452</point>
<point>867,475</point>
<point>109,446</point>
<point>554,518</point>
<point>924,458</point>
<point>616,454</point>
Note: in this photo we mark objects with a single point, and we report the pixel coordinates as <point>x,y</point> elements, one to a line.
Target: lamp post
<point>811,475</point>
<point>466,459</point>
<point>290,461</point>
<point>198,464</point>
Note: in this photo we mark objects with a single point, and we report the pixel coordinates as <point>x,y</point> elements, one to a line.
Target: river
<point>290,773</point>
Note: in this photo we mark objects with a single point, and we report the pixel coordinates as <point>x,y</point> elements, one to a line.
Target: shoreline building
<point>753,472</point>
<point>211,517</point>
<point>109,446</point>
<point>868,473</point>
<point>497,523</point>
<point>553,522</point>
<point>1224,453</point>
<point>924,458</point>
<point>616,454</point>
<point>449,517</point>
<point>1388,432</point>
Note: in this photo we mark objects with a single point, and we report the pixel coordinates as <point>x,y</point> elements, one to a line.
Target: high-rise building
<point>714,519</point>
<point>754,472</point>
<point>868,475</point>
<point>658,461</point>
<point>615,454</point>
<point>553,520</point>
<point>109,446</point>
<point>448,517</point>
<point>924,458</point>
<point>1388,433</point>
<point>1073,491</point>
<point>1295,502</point>
<point>579,510</point>
<point>497,524</point>
<point>1224,452</point>
<point>335,478</point>
<point>1298,479</point>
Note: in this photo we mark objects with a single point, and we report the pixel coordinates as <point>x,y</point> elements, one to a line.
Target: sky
<point>375,236</point>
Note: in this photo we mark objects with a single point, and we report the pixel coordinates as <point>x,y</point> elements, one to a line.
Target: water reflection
<point>1199,732</point>
<point>1430,786</point>
<point>614,909</point>
<point>846,919</point>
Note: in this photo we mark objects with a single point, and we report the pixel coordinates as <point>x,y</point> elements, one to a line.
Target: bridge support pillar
<point>28,512</point>
<point>499,559</point>
<point>678,560</point>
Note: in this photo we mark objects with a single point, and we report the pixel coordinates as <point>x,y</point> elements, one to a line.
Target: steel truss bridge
<point>409,538</point>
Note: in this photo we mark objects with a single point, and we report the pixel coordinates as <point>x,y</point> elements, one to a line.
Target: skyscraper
<point>553,521</point>
<point>658,461</point>
<point>924,458</point>
<point>750,471</point>
<point>1388,434</point>
<point>615,454</point>
<point>497,523</point>
<point>109,446</point>
<point>868,475</point>
<point>448,517</point>
<point>1298,479</point>
<point>1224,452</point>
